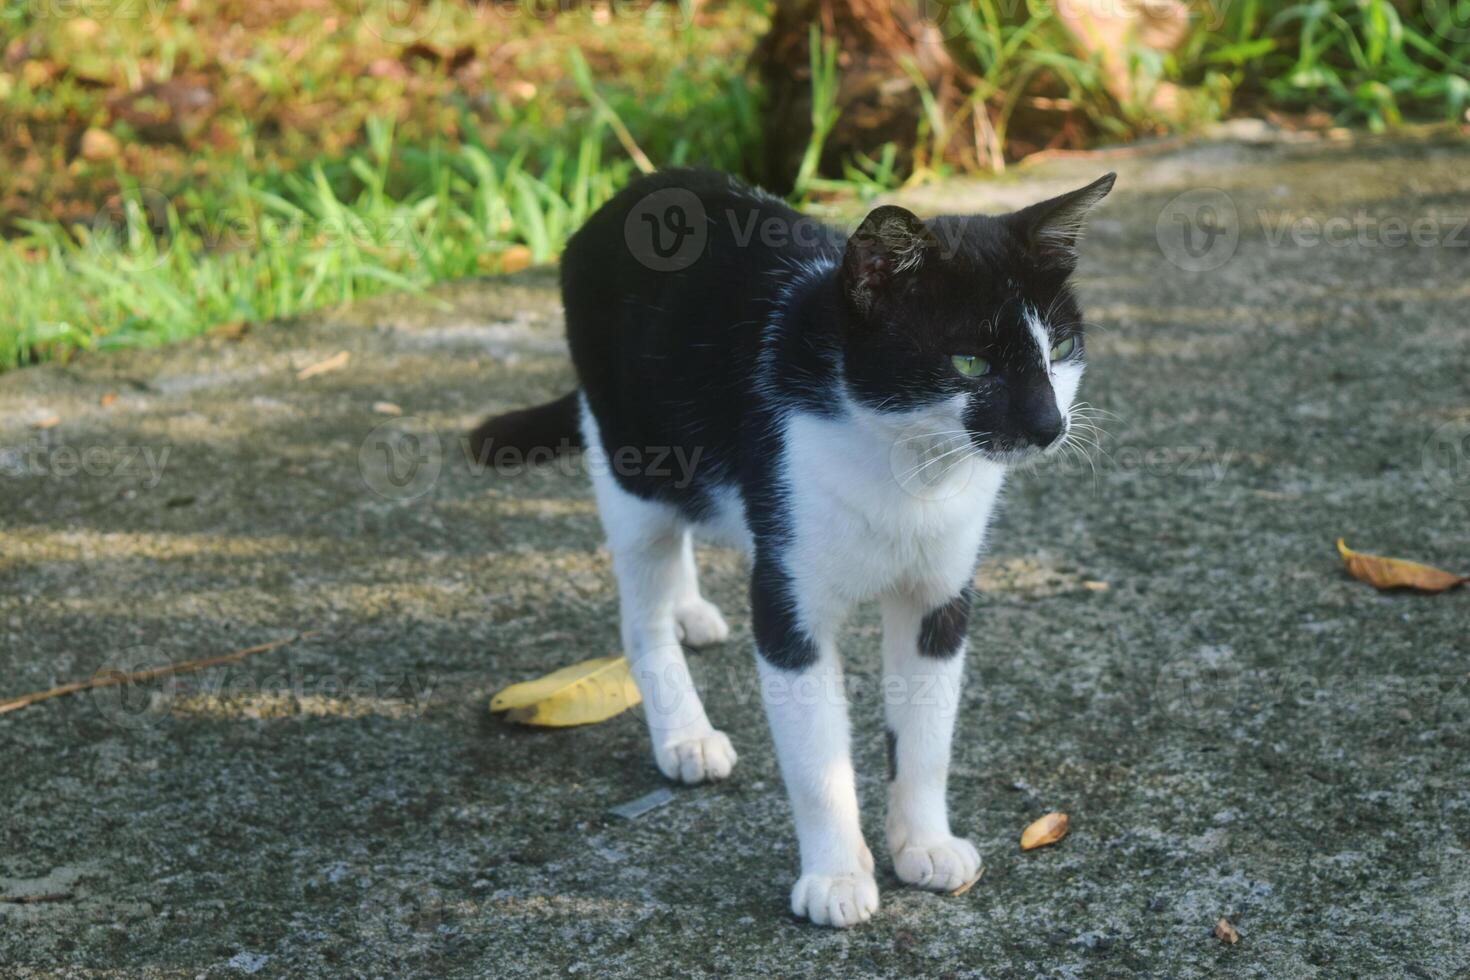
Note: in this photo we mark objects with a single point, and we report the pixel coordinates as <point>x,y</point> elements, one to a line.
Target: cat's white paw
<point>704,758</point>
<point>836,900</point>
<point>942,865</point>
<point>700,624</point>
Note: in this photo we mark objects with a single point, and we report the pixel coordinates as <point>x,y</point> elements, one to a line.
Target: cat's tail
<point>528,434</point>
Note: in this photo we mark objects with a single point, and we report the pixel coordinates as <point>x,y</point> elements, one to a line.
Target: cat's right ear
<point>1053,228</point>
<point>890,244</point>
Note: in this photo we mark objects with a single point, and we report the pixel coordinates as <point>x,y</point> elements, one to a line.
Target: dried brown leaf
<point>1396,573</point>
<point>230,331</point>
<point>336,362</point>
<point>1048,830</point>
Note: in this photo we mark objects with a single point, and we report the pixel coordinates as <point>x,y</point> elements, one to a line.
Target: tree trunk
<point>878,100</point>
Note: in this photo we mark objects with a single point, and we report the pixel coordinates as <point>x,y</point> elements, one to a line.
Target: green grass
<point>277,224</point>
<point>1362,60</point>
<point>390,218</point>
<point>253,243</point>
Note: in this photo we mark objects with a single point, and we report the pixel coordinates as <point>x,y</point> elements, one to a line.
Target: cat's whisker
<point>1083,418</point>
<point>932,435</point>
<point>975,452</point>
<point>1093,420</point>
<point>1088,420</point>
<point>1087,408</point>
<point>1070,451</point>
<point>1093,436</point>
<point>930,462</point>
<point>1086,440</point>
<point>1091,439</point>
<point>1096,420</point>
<point>1091,449</point>
<point>1076,447</point>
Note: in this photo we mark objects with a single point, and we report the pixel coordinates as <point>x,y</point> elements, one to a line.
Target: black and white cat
<point>852,406</point>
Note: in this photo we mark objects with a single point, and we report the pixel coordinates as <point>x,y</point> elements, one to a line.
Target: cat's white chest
<point>859,529</point>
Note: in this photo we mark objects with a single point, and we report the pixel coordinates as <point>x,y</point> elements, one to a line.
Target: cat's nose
<point>1042,422</point>
<point>1045,433</point>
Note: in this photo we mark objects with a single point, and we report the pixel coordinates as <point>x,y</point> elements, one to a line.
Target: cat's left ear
<point>889,245</point>
<point>1052,229</point>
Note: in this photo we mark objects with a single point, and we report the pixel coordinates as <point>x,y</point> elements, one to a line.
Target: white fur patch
<point>660,605</point>
<point>1066,375</point>
<point>1042,338</point>
<point>861,524</point>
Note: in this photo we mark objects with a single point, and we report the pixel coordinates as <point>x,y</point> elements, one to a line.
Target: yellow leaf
<point>582,694</point>
<point>1048,830</point>
<point>1396,573</point>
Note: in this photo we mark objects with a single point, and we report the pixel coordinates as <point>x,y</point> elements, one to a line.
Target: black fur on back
<point>774,310</point>
<point>667,359</point>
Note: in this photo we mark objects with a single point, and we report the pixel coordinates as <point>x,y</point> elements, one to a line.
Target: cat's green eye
<point>969,366</point>
<point>1063,349</point>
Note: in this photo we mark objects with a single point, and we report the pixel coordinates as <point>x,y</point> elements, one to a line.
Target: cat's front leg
<point>923,660</point>
<point>802,688</point>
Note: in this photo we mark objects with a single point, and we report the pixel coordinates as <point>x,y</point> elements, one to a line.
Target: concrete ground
<point>1236,728</point>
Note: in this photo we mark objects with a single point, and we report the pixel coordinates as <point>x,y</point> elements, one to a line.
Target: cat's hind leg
<point>698,620</point>
<point>651,555</point>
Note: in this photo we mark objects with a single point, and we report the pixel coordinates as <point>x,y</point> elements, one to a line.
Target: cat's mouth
<point>1022,453</point>
<point>931,459</point>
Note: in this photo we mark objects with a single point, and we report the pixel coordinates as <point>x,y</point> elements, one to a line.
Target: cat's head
<point>967,325</point>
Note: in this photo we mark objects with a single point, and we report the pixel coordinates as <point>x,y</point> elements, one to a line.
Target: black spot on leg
<point>892,754</point>
<point>779,638</point>
<point>943,629</point>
